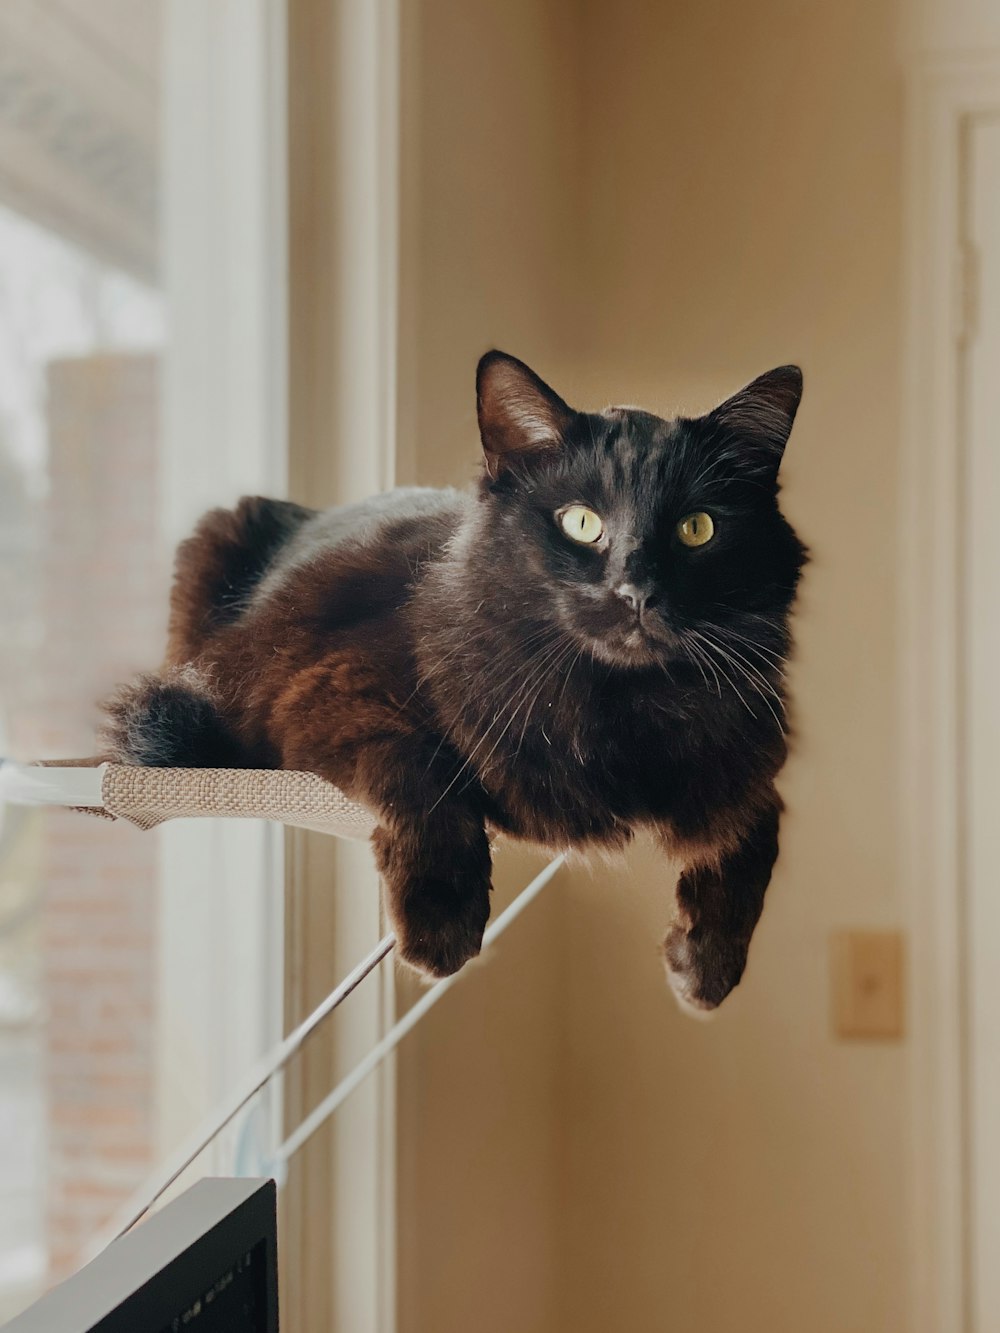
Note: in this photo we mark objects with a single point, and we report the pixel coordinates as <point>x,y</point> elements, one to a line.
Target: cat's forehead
<point>634,465</point>
<point>631,447</point>
<point>631,421</point>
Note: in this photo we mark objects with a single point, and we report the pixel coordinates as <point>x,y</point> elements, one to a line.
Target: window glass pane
<point>89,90</point>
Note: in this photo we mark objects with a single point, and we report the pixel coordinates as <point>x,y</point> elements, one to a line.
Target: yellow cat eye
<point>581,524</point>
<point>696,529</point>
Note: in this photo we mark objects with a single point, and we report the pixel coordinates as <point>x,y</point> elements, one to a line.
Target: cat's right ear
<point>519,415</point>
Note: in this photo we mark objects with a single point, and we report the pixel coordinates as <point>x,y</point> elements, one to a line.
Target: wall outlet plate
<point>867,984</point>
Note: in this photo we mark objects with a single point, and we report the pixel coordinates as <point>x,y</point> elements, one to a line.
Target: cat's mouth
<point>633,644</point>
<point>632,641</point>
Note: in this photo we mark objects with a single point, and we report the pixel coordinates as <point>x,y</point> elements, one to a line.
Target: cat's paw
<point>440,926</point>
<point>702,968</point>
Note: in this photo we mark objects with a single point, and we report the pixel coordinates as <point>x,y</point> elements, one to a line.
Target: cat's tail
<point>170,720</point>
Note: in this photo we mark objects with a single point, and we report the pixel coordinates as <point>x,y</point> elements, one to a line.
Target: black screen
<point>233,1303</point>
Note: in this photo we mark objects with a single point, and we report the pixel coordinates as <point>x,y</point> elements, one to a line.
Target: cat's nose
<point>640,596</point>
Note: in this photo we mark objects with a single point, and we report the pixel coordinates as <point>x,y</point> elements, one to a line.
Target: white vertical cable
<point>275,1060</point>
<point>410,1019</point>
<point>265,1069</point>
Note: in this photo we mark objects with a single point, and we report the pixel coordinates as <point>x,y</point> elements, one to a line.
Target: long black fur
<point>460,664</point>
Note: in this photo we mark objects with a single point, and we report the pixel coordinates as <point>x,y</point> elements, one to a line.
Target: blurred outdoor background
<point>259,245</point>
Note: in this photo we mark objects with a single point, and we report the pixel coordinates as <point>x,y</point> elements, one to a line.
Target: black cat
<point>589,643</point>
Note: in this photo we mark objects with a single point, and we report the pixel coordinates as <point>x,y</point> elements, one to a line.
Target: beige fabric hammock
<point>146,797</point>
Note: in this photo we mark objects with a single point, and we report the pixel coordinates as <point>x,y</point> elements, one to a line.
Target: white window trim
<point>224,430</point>
<point>226,158</point>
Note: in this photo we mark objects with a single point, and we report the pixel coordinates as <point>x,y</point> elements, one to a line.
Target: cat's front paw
<point>439,925</point>
<point>702,968</point>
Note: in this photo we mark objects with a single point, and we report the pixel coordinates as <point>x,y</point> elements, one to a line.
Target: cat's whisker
<point>734,480</point>
<point>552,667</point>
<point>747,664</point>
<point>715,461</point>
<point>702,477</point>
<point>527,715</point>
<point>511,651</point>
<point>557,666</point>
<point>515,701</point>
<point>698,659</point>
<point>773,622</point>
<point>741,670</point>
<point>780,658</point>
<point>754,677</point>
<point>550,664</point>
<point>771,660</point>
<point>750,673</point>
<point>725,674</point>
<point>516,650</point>
<point>723,640</point>
<point>572,667</point>
<point>694,662</point>
<point>705,657</point>
<point>467,642</point>
<point>513,707</point>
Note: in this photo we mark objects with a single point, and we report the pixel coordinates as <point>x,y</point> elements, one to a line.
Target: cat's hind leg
<point>218,567</point>
<point>170,720</point>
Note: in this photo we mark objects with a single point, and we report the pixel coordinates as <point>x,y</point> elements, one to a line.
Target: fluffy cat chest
<point>580,784</point>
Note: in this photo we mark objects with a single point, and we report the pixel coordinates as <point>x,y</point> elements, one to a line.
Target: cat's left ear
<point>757,421</point>
<point>519,415</point>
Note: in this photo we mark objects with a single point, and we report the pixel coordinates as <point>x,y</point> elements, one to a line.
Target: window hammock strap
<point>275,1060</point>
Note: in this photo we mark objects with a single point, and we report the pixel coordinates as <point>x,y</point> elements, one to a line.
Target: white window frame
<point>282,371</point>
<point>224,432</point>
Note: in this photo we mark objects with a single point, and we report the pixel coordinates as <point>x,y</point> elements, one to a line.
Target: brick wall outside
<point>103,611</point>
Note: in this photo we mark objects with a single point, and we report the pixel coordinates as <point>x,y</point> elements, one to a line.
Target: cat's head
<point>650,541</point>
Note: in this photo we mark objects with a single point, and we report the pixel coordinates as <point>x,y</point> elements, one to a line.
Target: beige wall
<point>488,116</point>
<point>653,203</point>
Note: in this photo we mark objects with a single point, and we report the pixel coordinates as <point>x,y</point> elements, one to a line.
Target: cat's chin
<point>633,650</point>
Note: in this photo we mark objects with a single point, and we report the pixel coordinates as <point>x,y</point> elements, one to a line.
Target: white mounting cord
<point>410,1019</point>
<point>265,1069</point>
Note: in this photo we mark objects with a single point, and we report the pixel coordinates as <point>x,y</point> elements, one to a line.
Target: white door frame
<point>945,95</point>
